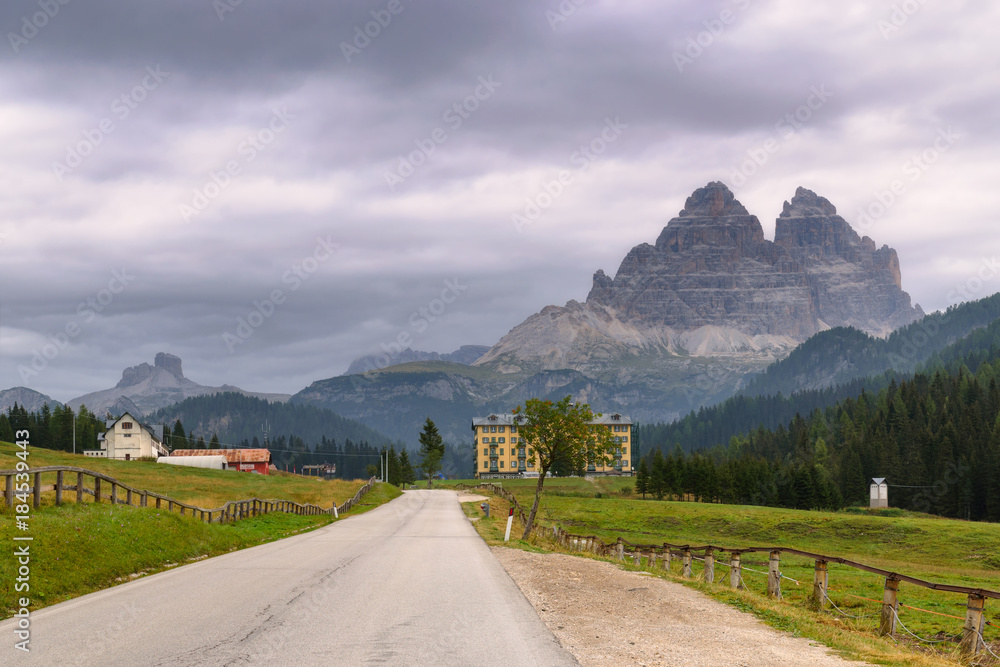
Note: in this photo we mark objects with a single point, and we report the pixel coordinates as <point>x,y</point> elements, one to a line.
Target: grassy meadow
<point>78,549</point>
<point>926,547</point>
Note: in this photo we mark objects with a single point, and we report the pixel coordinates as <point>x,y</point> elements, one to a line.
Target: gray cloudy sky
<point>167,164</point>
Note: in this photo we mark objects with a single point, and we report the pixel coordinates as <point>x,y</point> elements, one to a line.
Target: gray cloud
<point>351,118</point>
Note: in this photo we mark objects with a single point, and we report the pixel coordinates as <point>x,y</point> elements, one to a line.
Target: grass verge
<point>927,547</point>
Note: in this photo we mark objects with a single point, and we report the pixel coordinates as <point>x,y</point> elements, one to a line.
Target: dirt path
<point>656,622</point>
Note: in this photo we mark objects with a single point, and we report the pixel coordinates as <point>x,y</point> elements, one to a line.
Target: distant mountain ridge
<point>466,354</point>
<point>836,365</point>
<point>236,417</point>
<point>682,324</point>
<point>29,399</point>
<point>147,388</point>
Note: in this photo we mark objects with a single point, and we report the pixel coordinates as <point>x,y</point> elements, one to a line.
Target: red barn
<point>244,460</point>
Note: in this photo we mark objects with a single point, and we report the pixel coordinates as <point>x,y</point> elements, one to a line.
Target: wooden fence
<point>108,488</point>
<point>972,641</point>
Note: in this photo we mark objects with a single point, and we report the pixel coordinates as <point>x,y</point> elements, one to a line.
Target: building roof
<point>232,455</point>
<point>613,418</point>
<point>496,419</point>
<point>110,423</point>
<point>507,419</point>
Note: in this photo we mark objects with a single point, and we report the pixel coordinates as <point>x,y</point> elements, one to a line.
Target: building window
<point>513,429</point>
<point>126,424</point>
<point>531,464</point>
<point>501,464</point>
<point>493,429</point>
<point>126,435</point>
<point>624,451</point>
<point>513,464</point>
<point>501,429</point>
<point>501,439</point>
<point>485,451</point>
<point>485,464</point>
<point>624,438</point>
<point>501,451</point>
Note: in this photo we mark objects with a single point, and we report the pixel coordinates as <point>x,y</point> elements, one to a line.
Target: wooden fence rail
<point>975,619</point>
<point>234,510</point>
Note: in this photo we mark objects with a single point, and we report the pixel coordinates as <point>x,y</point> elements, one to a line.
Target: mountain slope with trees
<point>935,436</point>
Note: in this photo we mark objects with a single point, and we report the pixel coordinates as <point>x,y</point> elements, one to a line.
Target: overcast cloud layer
<point>176,162</point>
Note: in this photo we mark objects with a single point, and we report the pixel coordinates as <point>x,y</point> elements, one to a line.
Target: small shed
<point>879,493</point>
<point>245,460</point>
<point>213,462</point>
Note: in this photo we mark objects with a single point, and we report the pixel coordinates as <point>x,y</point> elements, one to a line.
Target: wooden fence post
<point>620,549</point>
<point>157,502</point>
<point>37,491</point>
<point>686,564</point>
<point>710,565</point>
<point>144,500</point>
<point>128,497</point>
<point>971,640</point>
<point>735,571</point>
<point>637,558</point>
<point>774,576</point>
<point>114,493</point>
<point>821,578</point>
<point>8,493</point>
<point>97,489</point>
<point>667,554</point>
<point>79,487</point>
<point>887,626</point>
<point>59,487</point>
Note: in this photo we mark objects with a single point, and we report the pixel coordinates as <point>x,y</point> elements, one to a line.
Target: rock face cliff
<point>146,388</point>
<point>713,286</point>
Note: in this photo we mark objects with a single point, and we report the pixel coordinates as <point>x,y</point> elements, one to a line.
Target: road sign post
<point>510,521</point>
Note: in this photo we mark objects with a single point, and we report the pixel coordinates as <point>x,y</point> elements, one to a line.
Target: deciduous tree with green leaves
<point>431,450</point>
<point>560,433</point>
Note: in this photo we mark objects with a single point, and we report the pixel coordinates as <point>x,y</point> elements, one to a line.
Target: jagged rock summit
<point>712,285</point>
<point>146,388</point>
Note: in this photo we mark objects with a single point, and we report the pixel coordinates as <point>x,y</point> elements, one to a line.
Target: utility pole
<point>265,429</point>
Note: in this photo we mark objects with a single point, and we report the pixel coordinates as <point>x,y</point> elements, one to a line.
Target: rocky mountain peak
<point>807,204</point>
<point>715,200</point>
<point>714,221</point>
<point>169,363</point>
<point>713,285</point>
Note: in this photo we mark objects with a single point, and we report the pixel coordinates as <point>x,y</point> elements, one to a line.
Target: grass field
<point>197,486</point>
<point>939,550</point>
<point>77,549</point>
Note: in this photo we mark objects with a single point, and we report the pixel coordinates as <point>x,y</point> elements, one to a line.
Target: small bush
<point>626,491</point>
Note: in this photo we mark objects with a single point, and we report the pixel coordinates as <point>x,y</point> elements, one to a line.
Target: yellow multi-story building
<point>501,452</point>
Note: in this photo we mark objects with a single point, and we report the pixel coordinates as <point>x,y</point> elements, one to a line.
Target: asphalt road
<point>409,583</point>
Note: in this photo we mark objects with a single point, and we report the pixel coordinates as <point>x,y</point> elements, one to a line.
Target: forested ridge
<point>935,436</point>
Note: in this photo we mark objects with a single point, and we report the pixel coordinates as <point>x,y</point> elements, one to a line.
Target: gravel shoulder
<point>655,622</point>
